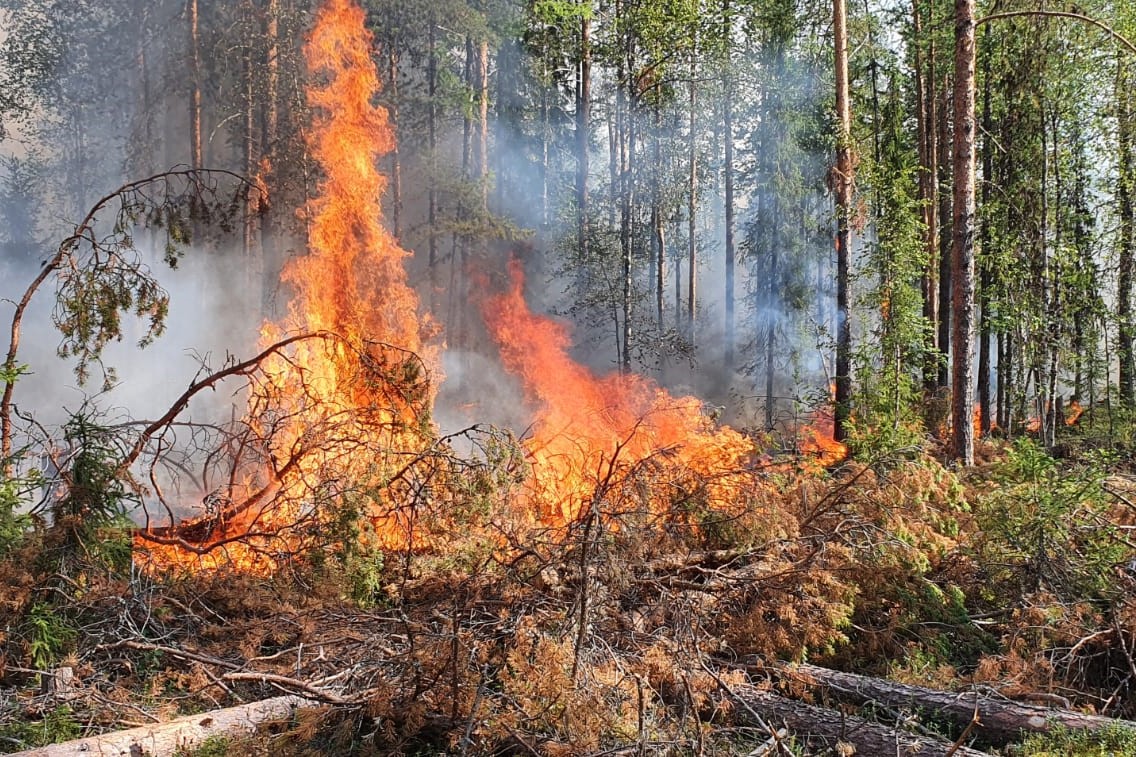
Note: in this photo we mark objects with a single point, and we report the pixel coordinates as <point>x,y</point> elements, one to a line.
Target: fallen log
<point>184,733</point>
<point>763,709</point>
<point>1000,721</point>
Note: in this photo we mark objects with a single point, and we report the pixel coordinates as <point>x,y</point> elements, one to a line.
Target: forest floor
<point>629,635</point>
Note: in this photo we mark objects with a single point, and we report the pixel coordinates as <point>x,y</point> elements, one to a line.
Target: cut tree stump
<point>1000,721</point>
<point>186,733</point>
<point>866,737</point>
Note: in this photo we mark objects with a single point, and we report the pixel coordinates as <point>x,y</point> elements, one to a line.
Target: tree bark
<point>627,203</point>
<point>728,176</point>
<point>270,127</point>
<point>432,160</point>
<point>773,272</point>
<point>926,120</point>
<point>658,222</point>
<point>986,275</point>
<point>943,143</point>
<point>583,141</point>
<point>195,159</point>
<point>962,247</point>
<point>481,145</point>
<point>692,202</point>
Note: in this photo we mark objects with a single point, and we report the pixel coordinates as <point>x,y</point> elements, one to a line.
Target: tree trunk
<point>270,127</point>
<point>462,241</point>
<point>432,161</point>
<point>253,264</point>
<point>692,202</point>
<point>481,156</point>
<point>771,291</point>
<point>945,235</point>
<point>182,735</point>
<point>195,159</point>
<point>833,727</point>
<point>194,61</point>
<point>1005,375</point>
<point>583,141</point>
<point>1000,720</point>
<point>142,155</point>
<point>627,205</point>
<point>962,247</point>
<point>1126,185</point>
<point>926,120</point>
<point>843,188</point>
<point>728,176</point>
<point>658,222</point>
<point>986,275</point>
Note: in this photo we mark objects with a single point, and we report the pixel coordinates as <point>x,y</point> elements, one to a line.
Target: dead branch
<point>289,684</point>
<point>240,369</point>
<point>84,231</point>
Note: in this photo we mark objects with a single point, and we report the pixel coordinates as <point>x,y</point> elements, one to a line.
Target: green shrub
<point>49,635</point>
<point>57,725</point>
<point>1046,526</point>
<point>1114,741</point>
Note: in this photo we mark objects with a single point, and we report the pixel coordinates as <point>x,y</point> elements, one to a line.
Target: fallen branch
<point>832,727</point>
<point>183,734</point>
<point>287,683</point>
<point>172,651</point>
<point>999,721</point>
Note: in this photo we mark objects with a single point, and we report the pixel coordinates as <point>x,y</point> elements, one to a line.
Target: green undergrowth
<point>59,724</point>
<point>1062,742</point>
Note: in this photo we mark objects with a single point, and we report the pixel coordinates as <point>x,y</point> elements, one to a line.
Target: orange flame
<point>589,427</point>
<point>1075,411</point>
<point>352,283</point>
<point>818,443</point>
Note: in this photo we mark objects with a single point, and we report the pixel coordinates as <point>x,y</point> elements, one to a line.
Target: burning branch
<point>303,450</point>
<point>245,368</point>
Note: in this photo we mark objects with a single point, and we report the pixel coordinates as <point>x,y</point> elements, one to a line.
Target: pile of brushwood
<point>938,614</point>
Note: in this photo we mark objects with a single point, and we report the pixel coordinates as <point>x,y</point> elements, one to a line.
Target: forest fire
<point>352,283</point>
<point>1070,414</point>
<point>339,413</point>
<point>817,443</point>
